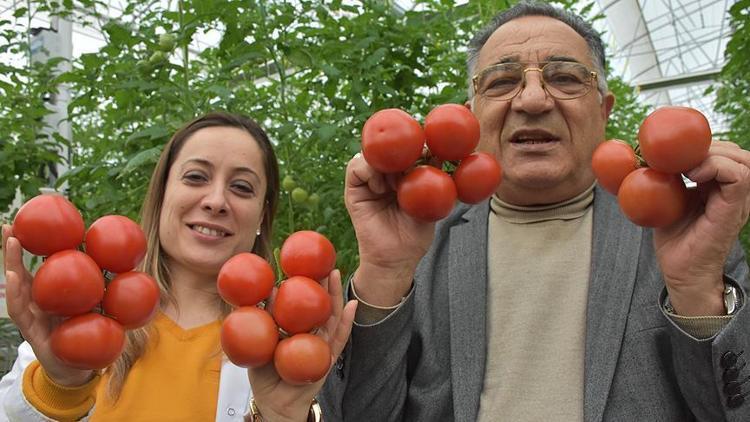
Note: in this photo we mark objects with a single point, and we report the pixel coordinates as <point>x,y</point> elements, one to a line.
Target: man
<point>545,303</point>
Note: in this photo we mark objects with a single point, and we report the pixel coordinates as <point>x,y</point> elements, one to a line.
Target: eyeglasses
<point>562,80</point>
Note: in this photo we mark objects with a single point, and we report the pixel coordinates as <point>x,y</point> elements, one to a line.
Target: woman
<point>212,195</point>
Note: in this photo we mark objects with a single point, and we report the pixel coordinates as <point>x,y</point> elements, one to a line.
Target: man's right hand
<point>34,324</point>
<point>391,243</point>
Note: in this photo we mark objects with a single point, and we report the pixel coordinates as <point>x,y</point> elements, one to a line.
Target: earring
<point>257,232</point>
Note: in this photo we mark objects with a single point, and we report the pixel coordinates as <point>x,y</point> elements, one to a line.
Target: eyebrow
<point>206,163</point>
<point>553,58</point>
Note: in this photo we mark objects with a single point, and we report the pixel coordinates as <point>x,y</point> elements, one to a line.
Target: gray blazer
<point>426,361</point>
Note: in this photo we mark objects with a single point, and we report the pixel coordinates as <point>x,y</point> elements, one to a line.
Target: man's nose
<point>533,98</point>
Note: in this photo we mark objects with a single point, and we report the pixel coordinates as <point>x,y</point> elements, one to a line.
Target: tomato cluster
<point>394,142</point>
<point>650,188</point>
<point>72,284</point>
<point>252,336</point>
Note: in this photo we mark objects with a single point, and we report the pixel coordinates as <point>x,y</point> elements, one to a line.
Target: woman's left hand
<point>279,401</point>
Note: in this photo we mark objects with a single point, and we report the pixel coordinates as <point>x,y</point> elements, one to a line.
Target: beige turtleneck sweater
<point>538,267</point>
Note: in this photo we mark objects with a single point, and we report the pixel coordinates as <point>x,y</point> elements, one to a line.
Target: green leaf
<point>21,11</point>
<point>149,156</point>
<point>150,133</point>
<point>118,34</point>
<point>325,132</point>
<point>219,90</point>
<point>375,57</point>
<point>300,58</point>
<point>92,60</point>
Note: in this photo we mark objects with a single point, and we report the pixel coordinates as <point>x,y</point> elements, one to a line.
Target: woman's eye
<point>243,187</point>
<point>194,177</point>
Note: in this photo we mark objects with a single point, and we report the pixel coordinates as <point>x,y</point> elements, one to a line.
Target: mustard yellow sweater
<point>176,379</point>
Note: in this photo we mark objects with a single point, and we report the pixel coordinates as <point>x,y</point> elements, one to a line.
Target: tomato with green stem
<point>650,198</point>
<point>674,139</point>
<point>88,341</point>
<point>302,359</point>
<point>426,193</point>
<point>611,162</point>
<point>392,141</point>
<point>68,283</point>
<point>451,131</point>
<point>48,223</point>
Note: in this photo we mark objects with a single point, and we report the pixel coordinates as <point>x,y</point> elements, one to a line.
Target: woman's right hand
<point>34,324</point>
<point>391,243</point>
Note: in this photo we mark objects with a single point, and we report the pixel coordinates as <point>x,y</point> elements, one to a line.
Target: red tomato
<point>68,283</point>
<point>611,162</point>
<point>116,243</point>
<point>477,177</point>
<point>653,199</point>
<point>302,359</point>
<point>426,193</point>
<point>301,304</point>
<point>392,141</point>
<point>309,254</point>
<point>132,299</point>
<point>249,337</point>
<point>245,279</point>
<point>452,132</point>
<point>48,223</point>
<point>88,341</point>
<point>674,139</point>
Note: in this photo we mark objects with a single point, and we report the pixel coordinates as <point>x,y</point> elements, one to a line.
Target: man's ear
<point>608,103</point>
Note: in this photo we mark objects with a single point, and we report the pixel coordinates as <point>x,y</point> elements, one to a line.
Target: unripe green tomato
<point>288,183</point>
<point>299,195</point>
<point>157,58</point>
<point>313,200</point>
<point>167,42</point>
<point>144,68</point>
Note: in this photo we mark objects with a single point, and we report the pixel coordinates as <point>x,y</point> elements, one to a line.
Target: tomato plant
<point>674,139</point>
<point>477,177</point>
<point>426,193</point>
<point>249,337</point>
<point>48,223</point>
<point>301,304</point>
<point>307,253</point>
<point>132,299</point>
<point>650,198</point>
<point>88,341</point>
<point>245,279</point>
<point>116,243</point>
<point>452,132</point>
<point>68,283</point>
<point>392,140</point>
<point>612,161</point>
<point>302,359</point>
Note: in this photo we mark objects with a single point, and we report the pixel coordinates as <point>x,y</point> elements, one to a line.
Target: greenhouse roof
<point>670,49</point>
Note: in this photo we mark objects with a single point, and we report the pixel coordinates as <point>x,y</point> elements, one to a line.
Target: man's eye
<point>564,78</point>
<point>502,82</point>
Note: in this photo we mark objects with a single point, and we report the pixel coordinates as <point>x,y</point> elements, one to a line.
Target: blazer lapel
<point>467,288</point>
<point>614,255</point>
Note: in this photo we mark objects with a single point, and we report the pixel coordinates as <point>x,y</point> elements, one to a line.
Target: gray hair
<point>532,8</point>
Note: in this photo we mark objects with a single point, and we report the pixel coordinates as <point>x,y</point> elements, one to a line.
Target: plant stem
<point>185,58</point>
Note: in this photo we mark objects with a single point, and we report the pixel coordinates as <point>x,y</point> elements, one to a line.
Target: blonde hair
<point>155,261</point>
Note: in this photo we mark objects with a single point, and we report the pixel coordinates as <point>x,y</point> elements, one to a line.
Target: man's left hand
<point>692,252</point>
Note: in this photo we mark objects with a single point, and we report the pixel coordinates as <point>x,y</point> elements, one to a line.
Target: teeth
<point>209,231</point>
<point>534,140</point>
